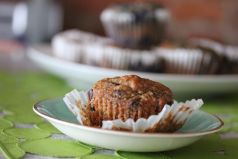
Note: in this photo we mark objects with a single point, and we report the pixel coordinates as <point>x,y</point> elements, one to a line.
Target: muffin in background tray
<point>91,49</point>
<point>228,54</point>
<point>188,58</point>
<point>137,25</point>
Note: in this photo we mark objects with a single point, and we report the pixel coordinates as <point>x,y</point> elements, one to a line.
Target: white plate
<point>197,125</point>
<point>83,76</point>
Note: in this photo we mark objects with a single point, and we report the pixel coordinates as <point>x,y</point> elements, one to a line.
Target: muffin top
<point>132,91</point>
<point>136,12</point>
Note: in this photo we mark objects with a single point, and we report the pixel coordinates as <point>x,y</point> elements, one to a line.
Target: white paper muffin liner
<point>171,115</point>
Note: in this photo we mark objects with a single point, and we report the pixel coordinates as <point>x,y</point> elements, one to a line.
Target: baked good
<point>136,25</point>
<point>130,103</point>
<point>110,56</point>
<point>231,55</point>
<point>124,97</point>
<point>192,57</point>
<point>189,58</point>
<point>228,55</point>
<point>71,45</point>
<point>87,48</point>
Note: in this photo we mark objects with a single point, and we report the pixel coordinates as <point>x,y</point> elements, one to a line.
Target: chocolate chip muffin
<point>124,97</point>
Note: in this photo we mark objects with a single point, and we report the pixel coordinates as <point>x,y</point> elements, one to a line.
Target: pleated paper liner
<point>70,45</point>
<point>171,118</point>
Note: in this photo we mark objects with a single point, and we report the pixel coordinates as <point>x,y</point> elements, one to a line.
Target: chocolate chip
<point>118,93</point>
<point>114,83</point>
<point>90,94</point>
<point>92,109</point>
<point>135,103</point>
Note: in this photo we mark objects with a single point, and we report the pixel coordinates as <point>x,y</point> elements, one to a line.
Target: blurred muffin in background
<point>70,44</point>
<point>228,54</point>
<point>138,25</point>
<point>189,58</point>
<point>87,48</point>
<point>231,53</point>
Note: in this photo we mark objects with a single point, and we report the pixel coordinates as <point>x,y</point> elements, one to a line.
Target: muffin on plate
<point>126,97</point>
<point>137,25</point>
<point>130,103</point>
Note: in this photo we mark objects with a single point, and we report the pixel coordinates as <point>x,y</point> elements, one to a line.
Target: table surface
<point>25,135</point>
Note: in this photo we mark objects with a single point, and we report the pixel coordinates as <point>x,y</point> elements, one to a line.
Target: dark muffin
<point>226,56</point>
<point>189,58</point>
<point>137,25</point>
<point>125,97</point>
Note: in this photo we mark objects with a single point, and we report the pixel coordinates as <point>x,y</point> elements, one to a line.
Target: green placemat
<point>21,131</point>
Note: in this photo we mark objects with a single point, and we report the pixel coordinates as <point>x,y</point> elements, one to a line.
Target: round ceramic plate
<point>198,125</point>
<point>83,76</point>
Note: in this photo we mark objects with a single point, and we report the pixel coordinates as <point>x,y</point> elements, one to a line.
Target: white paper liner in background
<point>179,111</point>
<point>71,44</point>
